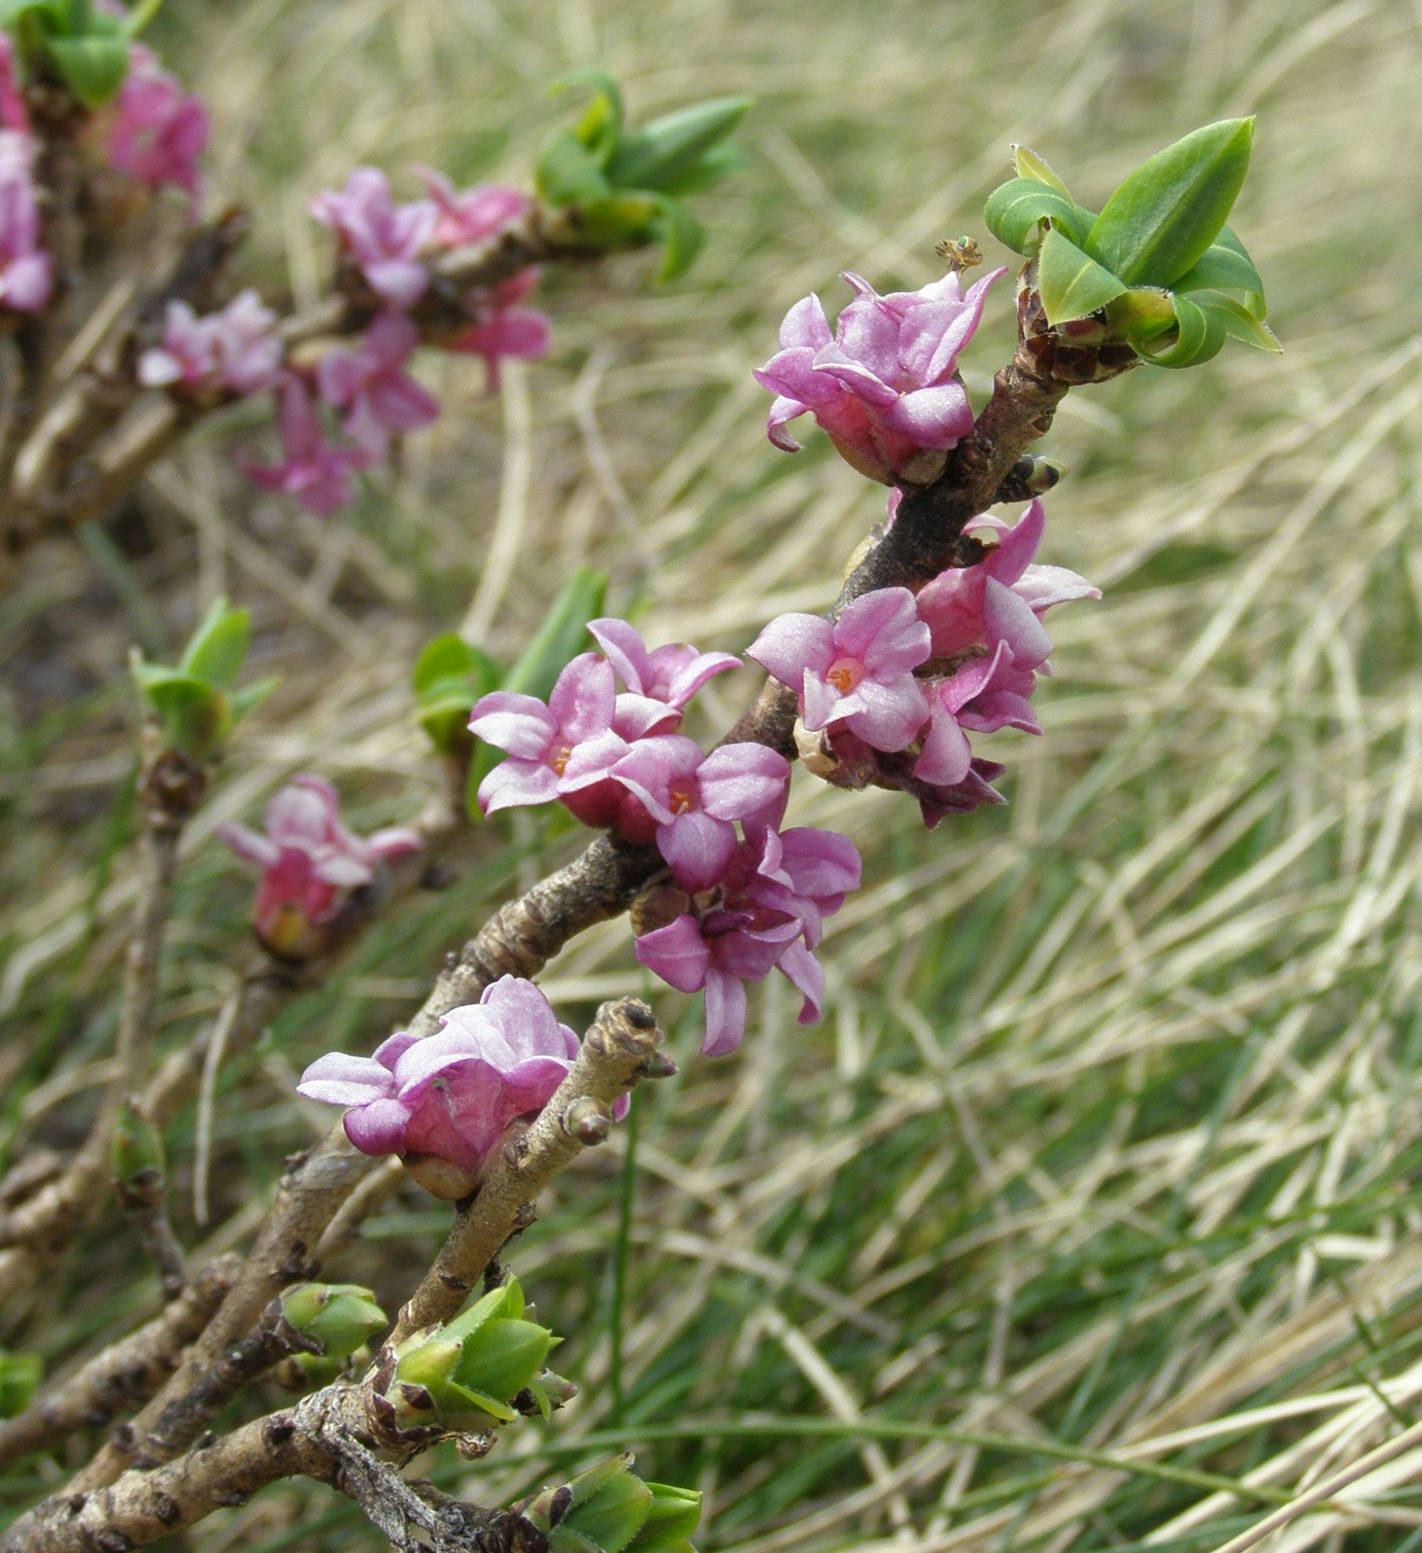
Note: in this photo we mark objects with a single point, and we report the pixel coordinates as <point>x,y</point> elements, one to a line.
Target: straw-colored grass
<point>1093,1193</point>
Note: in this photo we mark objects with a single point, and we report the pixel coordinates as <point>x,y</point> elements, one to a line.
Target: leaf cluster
<point>1158,267</point>
<point>609,1509</point>
<point>77,43</point>
<point>624,188</point>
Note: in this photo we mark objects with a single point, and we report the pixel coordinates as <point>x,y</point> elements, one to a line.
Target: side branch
<point>621,1048</point>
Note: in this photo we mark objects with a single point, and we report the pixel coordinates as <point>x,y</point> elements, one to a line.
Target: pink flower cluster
<point>743,901</point>
<point>885,383</point>
<point>310,865</point>
<point>367,389</point>
<point>443,1103</point>
<point>892,689</point>
<point>156,132</point>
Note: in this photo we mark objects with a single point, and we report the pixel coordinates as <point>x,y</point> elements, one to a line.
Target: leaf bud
<point>340,1317</point>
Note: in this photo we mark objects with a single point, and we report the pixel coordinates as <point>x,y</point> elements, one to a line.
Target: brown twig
<point>123,1376</point>
<point>620,1049</point>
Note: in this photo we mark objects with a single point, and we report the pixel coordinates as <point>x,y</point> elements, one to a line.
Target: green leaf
<point>195,715</point>
<point>1071,283</point>
<point>1199,335</point>
<point>681,236</point>
<point>568,173</point>
<point>618,220</point>
<point>665,152</point>
<point>240,702</point>
<point>718,164</point>
<point>1226,266</point>
<point>1015,209</point>
<point>600,128</point>
<point>53,12</point>
<point>613,1515</point>
<point>449,677</point>
<point>219,644</point>
<point>92,67</point>
<point>1141,315</point>
<point>1030,165</point>
<point>140,16</point>
<point>671,1520</point>
<point>1165,216</point>
<point>1238,322</point>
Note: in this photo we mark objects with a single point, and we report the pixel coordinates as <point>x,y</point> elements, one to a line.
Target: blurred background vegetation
<point>1100,1169</point>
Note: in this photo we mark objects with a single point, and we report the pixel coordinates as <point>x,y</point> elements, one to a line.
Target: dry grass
<point>1108,1138</point>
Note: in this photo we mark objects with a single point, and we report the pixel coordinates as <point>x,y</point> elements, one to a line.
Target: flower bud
<point>466,1374</point>
<point>136,1147</point>
<point>609,1509</point>
<point>19,1377</point>
<point>340,1317</point>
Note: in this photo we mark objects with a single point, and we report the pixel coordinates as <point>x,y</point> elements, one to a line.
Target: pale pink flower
<point>157,131</point>
<point>885,384</point>
<point>25,269</point>
<point>234,349</point>
<point>443,1103</point>
<point>383,238</point>
<point>311,864</point>
<point>315,471</point>
<point>370,384</point>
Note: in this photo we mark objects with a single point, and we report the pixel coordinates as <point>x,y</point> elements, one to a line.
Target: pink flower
<point>670,674</point>
<point>316,472</point>
<point>233,349</point>
<point>158,131</point>
<point>442,1104</point>
<point>382,237</point>
<point>25,270</point>
<point>885,384</point>
<point>760,918</point>
<point>695,799</point>
<point>13,114</point>
<point>857,671</point>
<point>952,605</point>
<point>369,383</point>
<point>471,215</point>
<point>310,864</point>
<point>501,328</point>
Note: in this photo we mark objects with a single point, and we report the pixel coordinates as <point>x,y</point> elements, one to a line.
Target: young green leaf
<point>217,647</point>
<point>1199,335</point>
<point>449,678</point>
<point>1030,165</point>
<point>92,67</point>
<point>1226,266</point>
<point>1071,283</point>
<point>1015,210</point>
<point>1238,322</point>
<point>1165,216</point>
<point>600,127</point>
<point>681,236</point>
<point>662,155</point>
<point>567,173</point>
<point>1141,315</point>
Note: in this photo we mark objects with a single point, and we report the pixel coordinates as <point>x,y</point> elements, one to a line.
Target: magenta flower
<point>383,238</point>
<point>13,113</point>
<point>762,917</point>
<point>695,799</point>
<point>310,865</point>
<point>671,674</point>
<point>885,384</point>
<point>158,131</point>
<point>502,328</point>
<point>564,750</point>
<point>316,472</point>
<point>952,605</point>
<point>370,384</point>
<point>471,215</point>
<point>25,269</point>
<point>234,349</point>
<point>442,1104</point>
<point>857,671</point>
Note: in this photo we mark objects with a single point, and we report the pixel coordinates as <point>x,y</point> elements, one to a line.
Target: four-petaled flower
<point>310,865</point>
<point>857,670</point>
<point>885,384</point>
<point>370,384</point>
<point>315,471</point>
<point>158,131</point>
<point>383,238</point>
<point>442,1103</point>
<point>235,348</point>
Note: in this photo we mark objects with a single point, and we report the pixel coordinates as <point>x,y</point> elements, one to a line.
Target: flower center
<point>560,758</point>
<point>680,800</point>
<point>844,674</point>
